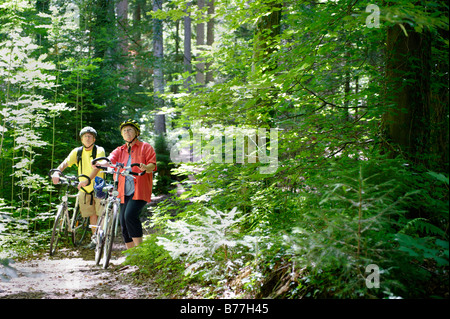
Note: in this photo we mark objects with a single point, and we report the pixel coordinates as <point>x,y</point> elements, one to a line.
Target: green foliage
<point>335,204</point>
<point>348,229</point>
<point>208,243</point>
<point>424,248</point>
<point>156,262</point>
<point>315,240</point>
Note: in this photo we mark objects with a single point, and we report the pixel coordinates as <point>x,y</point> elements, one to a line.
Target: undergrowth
<point>320,238</point>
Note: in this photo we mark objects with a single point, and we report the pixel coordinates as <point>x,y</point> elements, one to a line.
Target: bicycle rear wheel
<point>58,229</point>
<point>80,226</point>
<point>110,234</point>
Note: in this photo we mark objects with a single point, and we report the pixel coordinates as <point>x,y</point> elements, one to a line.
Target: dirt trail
<point>72,274</point>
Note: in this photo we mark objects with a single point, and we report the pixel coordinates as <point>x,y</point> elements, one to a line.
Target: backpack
<point>80,150</point>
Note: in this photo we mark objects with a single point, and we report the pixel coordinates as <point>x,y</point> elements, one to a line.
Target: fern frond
<point>422,225</point>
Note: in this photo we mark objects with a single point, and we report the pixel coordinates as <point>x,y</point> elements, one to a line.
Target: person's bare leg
<point>137,241</point>
<point>93,219</point>
<point>93,226</point>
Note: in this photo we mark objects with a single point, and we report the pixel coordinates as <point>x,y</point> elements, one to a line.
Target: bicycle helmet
<point>133,123</point>
<point>88,129</point>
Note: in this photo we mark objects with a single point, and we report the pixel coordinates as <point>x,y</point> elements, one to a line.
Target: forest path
<point>72,274</point>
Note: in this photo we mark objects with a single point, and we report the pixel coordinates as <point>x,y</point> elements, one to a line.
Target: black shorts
<point>129,218</point>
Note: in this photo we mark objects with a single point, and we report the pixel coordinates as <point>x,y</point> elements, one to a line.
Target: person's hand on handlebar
<point>83,183</point>
<point>55,178</point>
<point>98,164</point>
<point>147,168</point>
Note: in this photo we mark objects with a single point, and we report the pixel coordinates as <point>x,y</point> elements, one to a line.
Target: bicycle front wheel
<point>100,233</point>
<point>80,226</point>
<point>110,234</point>
<point>58,229</point>
<point>99,238</point>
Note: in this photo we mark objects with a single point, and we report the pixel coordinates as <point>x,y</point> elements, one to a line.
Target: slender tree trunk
<point>347,96</point>
<point>122,21</point>
<point>200,41</point>
<point>187,46</point>
<point>158,78</point>
<point>210,37</point>
<point>137,13</point>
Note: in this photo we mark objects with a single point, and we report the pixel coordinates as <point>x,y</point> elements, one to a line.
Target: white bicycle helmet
<point>88,129</point>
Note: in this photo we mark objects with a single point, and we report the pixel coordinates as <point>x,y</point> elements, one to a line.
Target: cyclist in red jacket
<point>136,192</point>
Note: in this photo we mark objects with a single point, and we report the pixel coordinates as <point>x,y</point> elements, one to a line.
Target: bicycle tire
<point>100,234</point>
<point>110,234</point>
<point>79,227</point>
<point>58,228</point>
<point>99,241</point>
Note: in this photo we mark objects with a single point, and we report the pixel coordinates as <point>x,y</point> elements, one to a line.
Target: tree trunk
<point>439,139</point>
<point>187,46</point>
<point>158,78</point>
<point>407,117</point>
<point>267,30</point>
<point>200,29</point>
<point>268,27</point>
<point>210,37</point>
<point>123,48</point>
<point>122,20</point>
<point>137,13</point>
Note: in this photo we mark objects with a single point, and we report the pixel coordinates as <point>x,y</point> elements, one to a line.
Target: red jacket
<point>141,152</point>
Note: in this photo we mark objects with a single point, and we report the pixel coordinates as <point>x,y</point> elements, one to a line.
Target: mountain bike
<point>64,224</point>
<point>107,224</point>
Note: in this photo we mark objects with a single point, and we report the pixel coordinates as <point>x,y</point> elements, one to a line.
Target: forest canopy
<point>308,139</point>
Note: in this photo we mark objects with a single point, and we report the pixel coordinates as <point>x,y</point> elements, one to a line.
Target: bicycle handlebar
<point>69,179</point>
<point>117,165</point>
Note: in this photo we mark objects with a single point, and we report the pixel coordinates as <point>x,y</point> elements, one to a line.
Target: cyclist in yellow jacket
<point>82,156</point>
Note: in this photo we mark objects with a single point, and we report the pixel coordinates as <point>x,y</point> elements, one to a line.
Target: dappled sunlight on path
<point>72,274</point>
